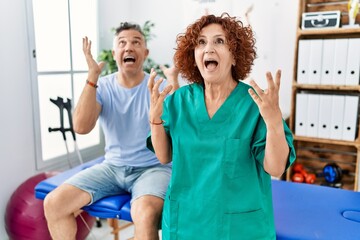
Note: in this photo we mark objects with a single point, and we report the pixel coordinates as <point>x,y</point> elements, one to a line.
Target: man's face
<point>130,51</point>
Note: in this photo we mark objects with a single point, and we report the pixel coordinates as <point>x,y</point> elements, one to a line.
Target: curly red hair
<point>240,39</point>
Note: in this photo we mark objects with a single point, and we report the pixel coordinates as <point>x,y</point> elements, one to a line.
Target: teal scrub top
<point>219,188</point>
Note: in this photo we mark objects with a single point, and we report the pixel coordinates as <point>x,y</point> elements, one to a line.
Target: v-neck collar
<point>222,114</point>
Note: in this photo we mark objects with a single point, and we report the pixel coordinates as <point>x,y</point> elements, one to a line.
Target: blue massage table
<point>306,212</point>
<point>302,211</point>
<point>110,207</point>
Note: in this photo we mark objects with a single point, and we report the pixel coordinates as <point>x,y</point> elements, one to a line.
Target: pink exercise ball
<point>24,216</point>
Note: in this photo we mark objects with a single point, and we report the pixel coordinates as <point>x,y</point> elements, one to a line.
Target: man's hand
<point>171,75</point>
<point>94,67</point>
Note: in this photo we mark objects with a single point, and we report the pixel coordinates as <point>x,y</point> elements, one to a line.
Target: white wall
<point>273,21</point>
<point>16,121</point>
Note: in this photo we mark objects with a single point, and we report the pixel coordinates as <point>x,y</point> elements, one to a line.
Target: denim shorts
<point>104,179</point>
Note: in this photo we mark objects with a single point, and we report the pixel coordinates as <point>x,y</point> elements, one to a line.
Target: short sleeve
<point>259,142</point>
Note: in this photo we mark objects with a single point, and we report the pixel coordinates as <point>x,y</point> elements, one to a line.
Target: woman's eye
<point>220,41</point>
<point>201,42</point>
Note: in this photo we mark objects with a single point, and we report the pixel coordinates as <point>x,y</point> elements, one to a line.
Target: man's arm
<point>88,109</point>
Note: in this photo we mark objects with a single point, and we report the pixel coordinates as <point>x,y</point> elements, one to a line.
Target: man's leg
<point>148,192</point>
<point>62,204</point>
<point>61,207</point>
<point>146,213</point>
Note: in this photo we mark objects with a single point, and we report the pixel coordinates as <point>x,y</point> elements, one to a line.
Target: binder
<point>303,61</point>
<point>350,118</point>
<point>312,115</point>
<point>315,61</point>
<point>301,114</point>
<point>340,61</point>
<point>337,115</point>
<point>325,105</point>
<point>327,66</point>
<point>353,62</point>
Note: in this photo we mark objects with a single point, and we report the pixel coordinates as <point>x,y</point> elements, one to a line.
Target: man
<point>121,102</point>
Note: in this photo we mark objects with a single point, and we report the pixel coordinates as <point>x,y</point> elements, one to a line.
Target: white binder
<point>350,118</point>
<point>324,116</point>
<point>337,116</point>
<point>301,114</point>
<point>327,66</point>
<point>340,58</point>
<point>303,61</point>
<point>312,115</point>
<point>315,61</point>
<point>353,62</point>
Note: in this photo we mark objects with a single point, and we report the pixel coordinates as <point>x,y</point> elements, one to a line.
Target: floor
<point>104,232</point>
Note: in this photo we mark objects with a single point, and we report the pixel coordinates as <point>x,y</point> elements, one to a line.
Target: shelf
<point>334,31</point>
<point>312,152</point>
<point>327,141</point>
<point>326,87</point>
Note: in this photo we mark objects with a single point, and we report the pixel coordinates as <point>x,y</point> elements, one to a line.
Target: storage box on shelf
<point>329,92</point>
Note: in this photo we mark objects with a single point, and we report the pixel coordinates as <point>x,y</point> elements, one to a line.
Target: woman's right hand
<point>156,97</point>
<point>94,67</point>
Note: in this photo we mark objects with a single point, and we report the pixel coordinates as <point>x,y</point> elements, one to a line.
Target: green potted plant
<point>110,67</point>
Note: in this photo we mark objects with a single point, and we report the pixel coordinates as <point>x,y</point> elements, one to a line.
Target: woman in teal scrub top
<point>224,138</point>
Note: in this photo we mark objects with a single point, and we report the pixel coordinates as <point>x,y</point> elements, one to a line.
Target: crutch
<point>68,108</point>
<point>59,102</point>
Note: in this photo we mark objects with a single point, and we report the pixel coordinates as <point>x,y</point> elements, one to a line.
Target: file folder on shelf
<point>340,61</point>
<point>337,115</point>
<point>324,116</point>
<point>301,114</point>
<point>303,61</point>
<point>315,61</point>
<point>350,118</point>
<point>353,62</point>
<point>312,115</point>
<point>327,67</point>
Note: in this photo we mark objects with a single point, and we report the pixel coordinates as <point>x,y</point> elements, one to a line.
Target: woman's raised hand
<point>268,100</point>
<point>156,97</point>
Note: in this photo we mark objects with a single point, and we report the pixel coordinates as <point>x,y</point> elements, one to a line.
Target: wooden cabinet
<point>315,152</point>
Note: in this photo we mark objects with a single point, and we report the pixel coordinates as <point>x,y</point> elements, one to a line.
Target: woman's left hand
<point>268,100</point>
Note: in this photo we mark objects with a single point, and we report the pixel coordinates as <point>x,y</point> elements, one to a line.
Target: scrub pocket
<point>196,218</point>
<point>237,160</point>
<point>246,225</point>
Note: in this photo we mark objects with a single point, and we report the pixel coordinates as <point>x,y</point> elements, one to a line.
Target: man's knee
<point>63,201</point>
<point>147,209</point>
<point>51,205</point>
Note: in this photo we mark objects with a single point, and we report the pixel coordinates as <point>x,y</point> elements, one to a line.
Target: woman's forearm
<point>161,143</point>
<point>276,150</point>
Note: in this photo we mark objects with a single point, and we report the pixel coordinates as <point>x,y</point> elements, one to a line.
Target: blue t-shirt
<point>124,119</point>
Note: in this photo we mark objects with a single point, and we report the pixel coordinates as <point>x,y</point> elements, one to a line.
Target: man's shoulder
<point>107,79</point>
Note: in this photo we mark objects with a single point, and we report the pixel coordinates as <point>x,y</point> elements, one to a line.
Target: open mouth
<point>210,64</point>
<point>130,59</point>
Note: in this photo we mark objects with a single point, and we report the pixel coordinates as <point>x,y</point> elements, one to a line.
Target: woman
<point>224,138</point>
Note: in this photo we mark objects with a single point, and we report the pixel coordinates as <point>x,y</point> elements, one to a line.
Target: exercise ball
<point>24,216</point>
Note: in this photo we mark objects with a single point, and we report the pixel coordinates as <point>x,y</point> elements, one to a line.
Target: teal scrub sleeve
<point>259,142</point>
